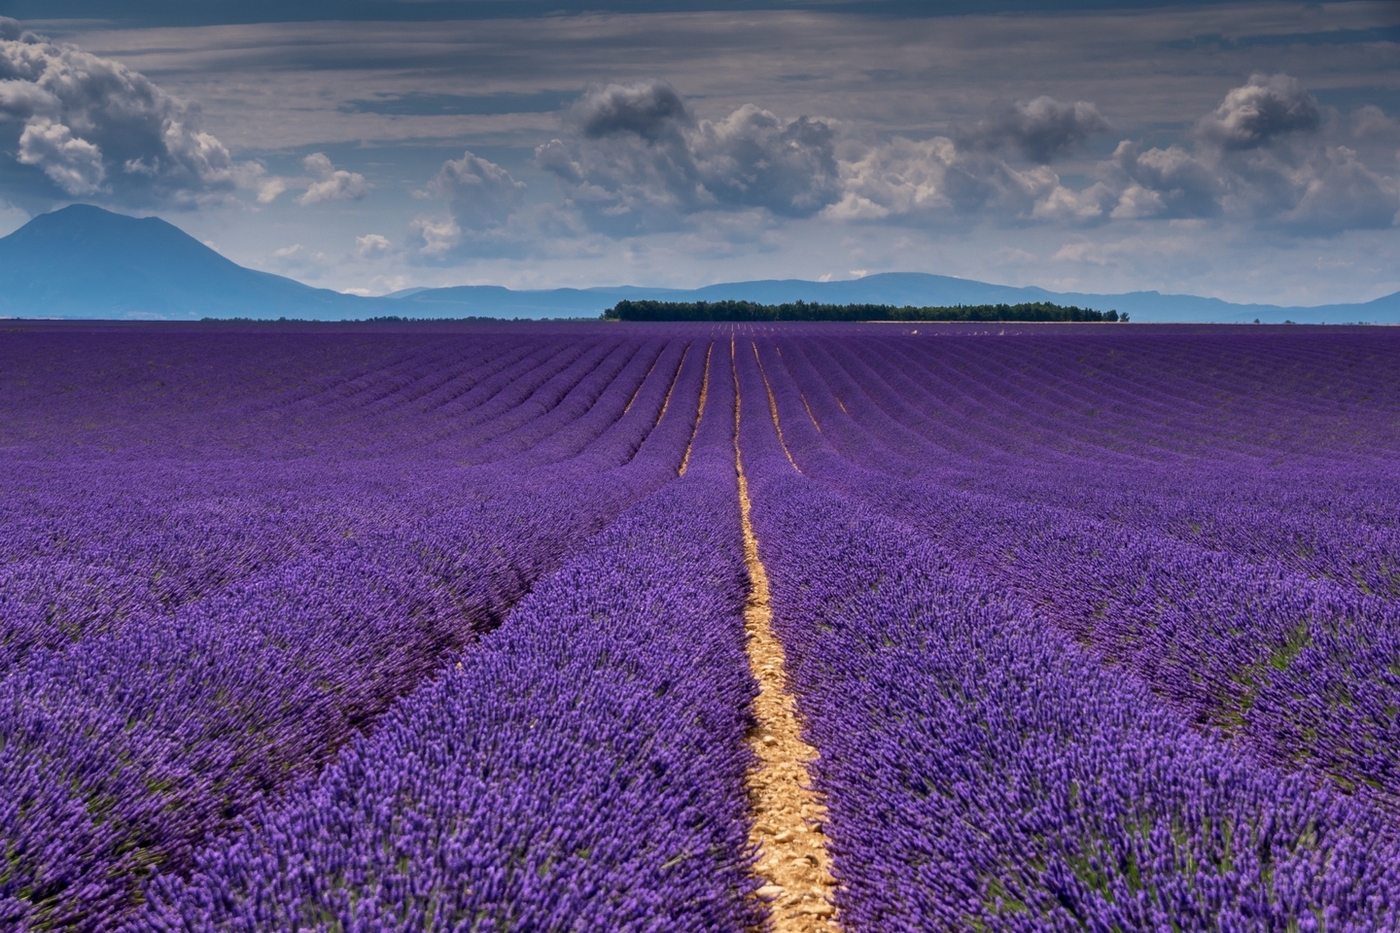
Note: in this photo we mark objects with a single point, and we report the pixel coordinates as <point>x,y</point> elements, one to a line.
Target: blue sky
<point>1245,150</point>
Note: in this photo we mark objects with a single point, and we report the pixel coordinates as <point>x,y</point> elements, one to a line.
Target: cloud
<point>480,193</point>
<point>436,236</point>
<point>934,180</point>
<point>1065,205</point>
<point>1265,108</point>
<point>97,129</point>
<point>973,174</point>
<point>752,158</point>
<point>1266,155</point>
<point>638,159</point>
<point>74,164</point>
<point>372,244</point>
<point>1165,183</point>
<point>487,215</point>
<point>901,177</point>
<point>332,184</point>
<point>267,187</point>
<point>1040,129</point>
<point>284,88</point>
<point>1333,191</point>
<point>649,109</point>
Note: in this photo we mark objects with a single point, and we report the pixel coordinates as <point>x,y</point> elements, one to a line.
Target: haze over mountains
<point>86,262</point>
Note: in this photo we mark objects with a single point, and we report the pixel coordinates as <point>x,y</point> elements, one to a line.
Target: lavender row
<point>1301,668</point>
<point>154,526</point>
<point>1166,392</point>
<point>195,527</point>
<point>125,746</point>
<point>582,768</point>
<point>983,772</point>
<point>1318,510</point>
<point>97,545</point>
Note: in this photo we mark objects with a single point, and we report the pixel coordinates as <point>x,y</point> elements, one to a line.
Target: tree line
<point>751,311</point>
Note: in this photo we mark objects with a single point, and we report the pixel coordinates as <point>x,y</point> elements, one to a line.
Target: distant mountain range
<point>86,262</point>
<point>894,288</point>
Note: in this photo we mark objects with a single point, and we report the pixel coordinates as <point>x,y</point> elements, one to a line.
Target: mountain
<point>895,288</point>
<point>85,262</point>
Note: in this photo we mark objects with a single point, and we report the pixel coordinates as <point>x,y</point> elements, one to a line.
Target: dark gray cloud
<point>637,158</point>
<point>627,164</point>
<point>651,110</point>
<point>1266,108</point>
<point>1041,129</point>
<point>98,130</point>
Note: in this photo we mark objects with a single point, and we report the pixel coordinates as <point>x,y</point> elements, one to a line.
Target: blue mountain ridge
<point>89,263</point>
<point>86,262</point>
<point>894,288</point>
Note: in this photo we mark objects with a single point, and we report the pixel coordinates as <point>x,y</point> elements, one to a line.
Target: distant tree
<point>749,311</point>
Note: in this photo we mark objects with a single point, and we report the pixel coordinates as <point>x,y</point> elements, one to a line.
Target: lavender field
<point>452,627</point>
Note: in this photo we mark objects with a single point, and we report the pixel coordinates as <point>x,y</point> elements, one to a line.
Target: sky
<point>1247,151</point>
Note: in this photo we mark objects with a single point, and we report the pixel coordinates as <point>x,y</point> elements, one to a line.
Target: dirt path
<point>788,815</point>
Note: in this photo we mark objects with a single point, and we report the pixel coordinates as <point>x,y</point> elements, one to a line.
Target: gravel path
<point>789,815</point>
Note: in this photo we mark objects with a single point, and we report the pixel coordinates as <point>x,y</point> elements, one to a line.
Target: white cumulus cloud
<point>331,183</point>
<point>934,180</point>
<point>437,236</point>
<point>372,244</point>
<point>99,130</point>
